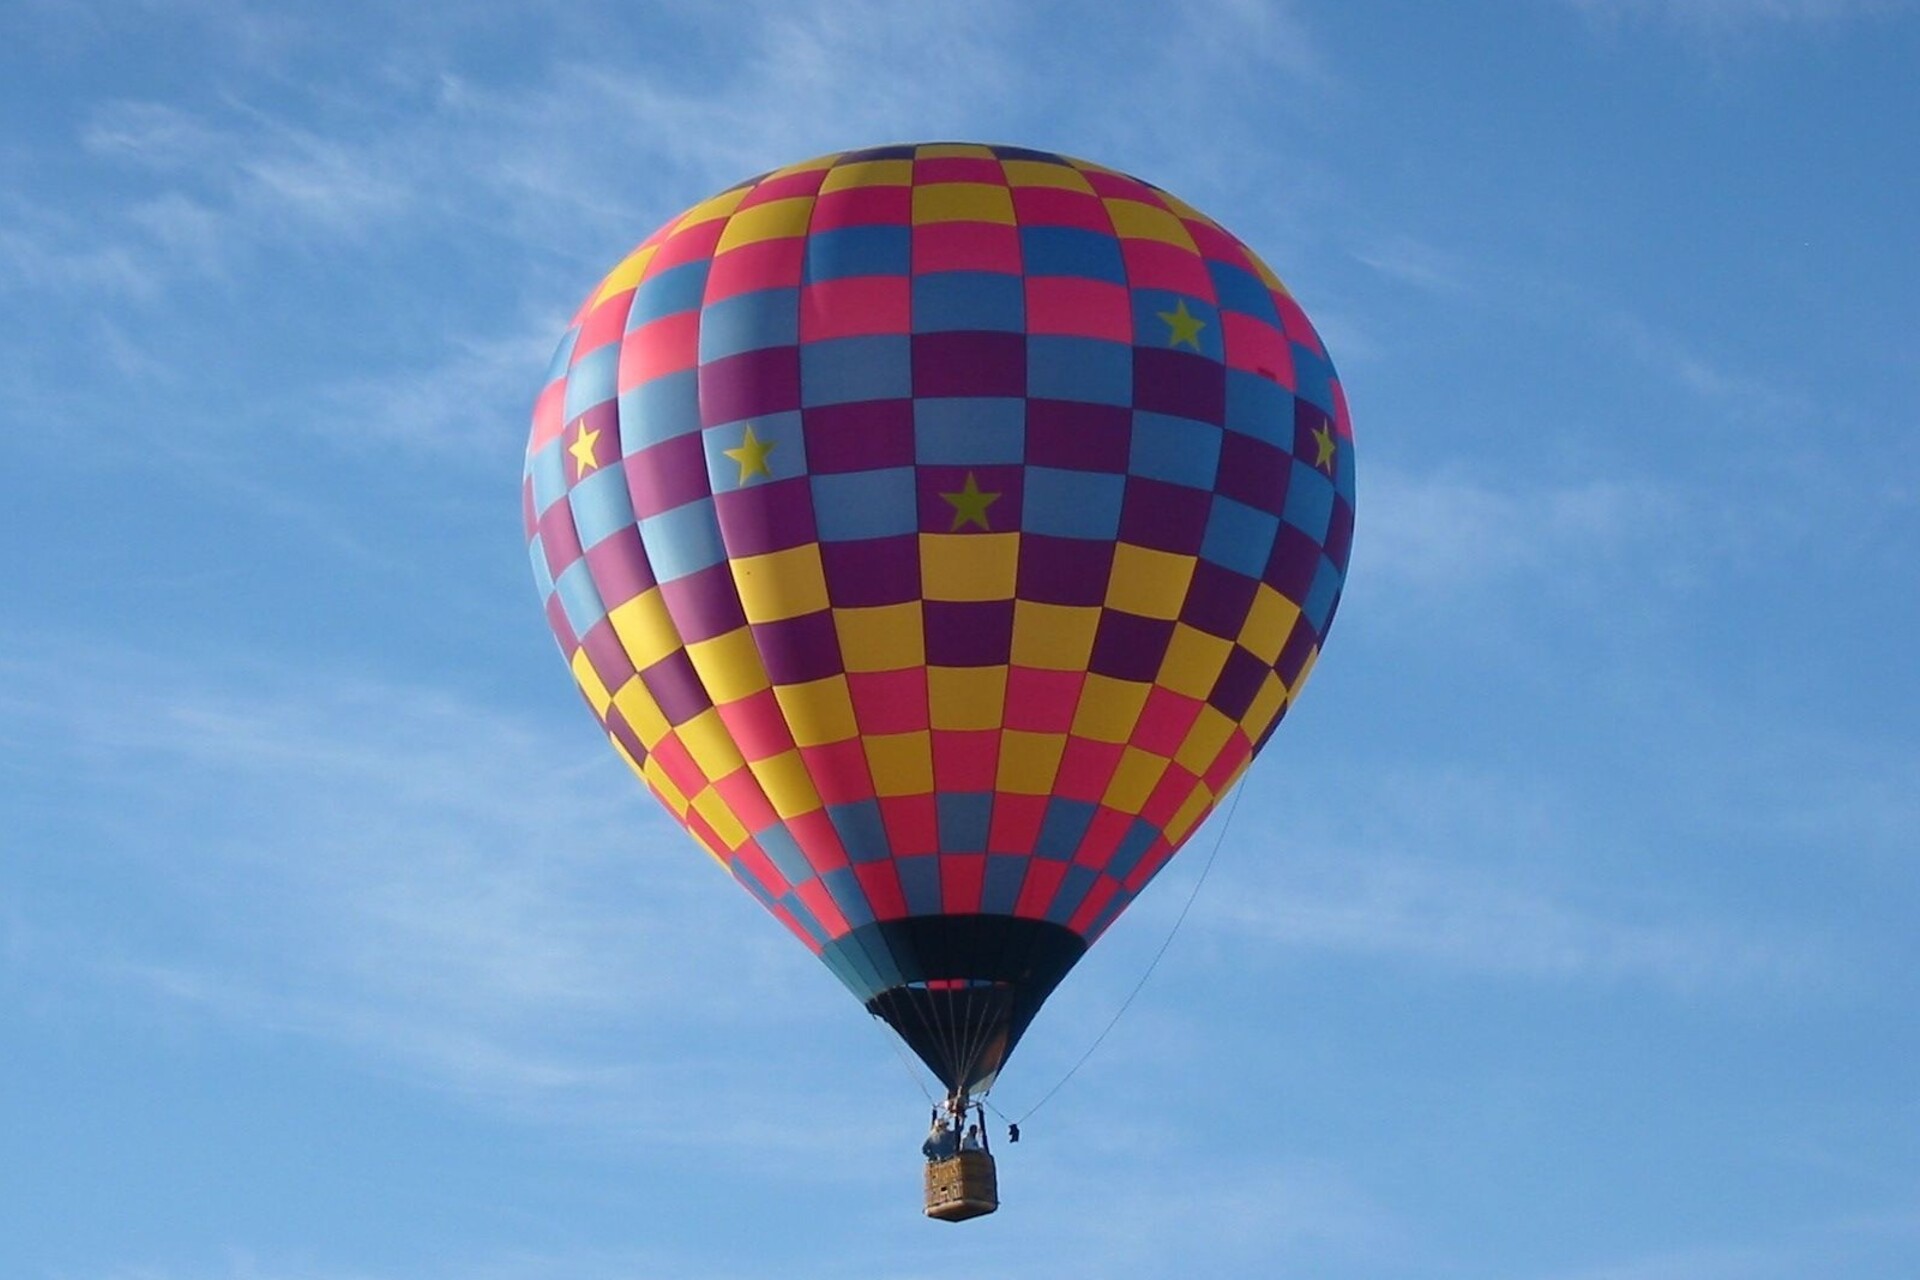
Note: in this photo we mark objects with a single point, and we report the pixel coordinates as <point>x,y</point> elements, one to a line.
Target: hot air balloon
<point>938,531</point>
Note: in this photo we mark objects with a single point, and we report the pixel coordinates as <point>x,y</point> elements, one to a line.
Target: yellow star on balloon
<point>1323,447</point>
<point>1183,326</point>
<point>582,451</point>
<point>752,456</point>
<point>970,505</point>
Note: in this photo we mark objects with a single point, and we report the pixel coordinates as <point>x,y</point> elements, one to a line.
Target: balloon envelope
<point>938,531</point>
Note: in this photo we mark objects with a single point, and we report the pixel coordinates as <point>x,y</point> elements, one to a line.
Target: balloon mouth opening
<point>959,990</point>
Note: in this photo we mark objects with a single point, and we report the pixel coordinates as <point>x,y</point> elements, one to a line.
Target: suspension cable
<point>1218,840</point>
<point>906,1064</point>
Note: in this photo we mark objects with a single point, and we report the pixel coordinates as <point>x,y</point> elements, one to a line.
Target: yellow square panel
<point>706,739</point>
<point>663,787</point>
<point>1265,706</point>
<point>1186,211</point>
<point>774,220</point>
<point>1204,740</point>
<point>962,202</point>
<point>966,697</point>
<point>952,151</point>
<point>645,629</point>
<point>781,584</point>
<point>1265,273</point>
<point>1109,708</point>
<point>720,206</point>
<point>1150,583</point>
<point>729,666</point>
<point>807,166</point>
<point>888,637</point>
<point>1190,811</point>
<point>788,786</point>
<point>1193,661</point>
<point>819,711</point>
<point>710,806</point>
<point>902,763</point>
<point>636,703</point>
<point>1038,173</point>
<point>1028,762</point>
<point>1053,637</point>
<point>626,275</point>
<point>1133,220</point>
<point>869,173</point>
<point>1269,622</point>
<point>590,683</point>
<point>1134,780</point>
<point>968,566</point>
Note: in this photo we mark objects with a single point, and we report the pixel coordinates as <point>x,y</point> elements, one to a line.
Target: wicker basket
<point>962,1186</point>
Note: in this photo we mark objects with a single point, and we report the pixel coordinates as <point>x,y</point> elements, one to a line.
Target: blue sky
<point>335,946</point>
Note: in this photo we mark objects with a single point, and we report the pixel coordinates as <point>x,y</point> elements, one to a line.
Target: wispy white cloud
<point>486,902</point>
<point>1874,1243</point>
<point>151,135</point>
<point>1719,16</point>
<point>1735,396</point>
<point>1504,921</point>
<point>238,1264</point>
<point>1488,872</point>
<point>1274,35</point>
<point>43,248</point>
<point>419,174</point>
<point>1246,1213</point>
<point>209,195</point>
<point>1450,531</point>
<point>1411,261</point>
<point>603,136</point>
<point>468,402</point>
<point>1724,1262</point>
<point>1724,32</point>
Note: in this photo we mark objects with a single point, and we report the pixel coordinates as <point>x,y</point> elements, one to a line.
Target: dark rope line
<point>1218,841</point>
<point>923,1011</point>
<point>981,1004</point>
<point>900,1052</point>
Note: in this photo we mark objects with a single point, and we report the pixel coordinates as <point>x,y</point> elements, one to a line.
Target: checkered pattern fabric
<point>940,529</point>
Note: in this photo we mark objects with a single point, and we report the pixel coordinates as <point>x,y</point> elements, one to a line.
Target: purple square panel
<point>1128,647</point>
<point>766,517</point>
<point>872,571</point>
<point>704,604</point>
<point>676,687</point>
<point>1070,571</point>
<point>865,435</point>
<point>969,363</point>
<point>1166,517</point>
<point>797,650</point>
<point>1077,436</point>
<point>1218,600</point>
<point>749,384</point>
<point>968,633</point>
<point>1179,383</point>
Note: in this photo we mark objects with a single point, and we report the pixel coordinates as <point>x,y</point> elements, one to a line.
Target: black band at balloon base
<point>960,990</point>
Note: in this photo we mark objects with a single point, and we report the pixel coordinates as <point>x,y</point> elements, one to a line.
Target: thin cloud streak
<point>1410,261</point>
<point>1444,532</point>
<point>1509,900</point>
<point>1710,17</point>
<point>1481,921</point>
<point>1832,1246</point>
<point>418,878</point>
